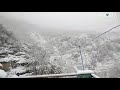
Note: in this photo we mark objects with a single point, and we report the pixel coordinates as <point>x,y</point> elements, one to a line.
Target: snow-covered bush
<point>41,61</point>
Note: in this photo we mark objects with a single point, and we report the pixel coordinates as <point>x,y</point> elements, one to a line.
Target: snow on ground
<point>20,53</point>
<point>12,73</point>
<point>3,74</point>
<point>21,61</point>
<point>19,69</point>
<point>12,76</point>
<point>27,74</point>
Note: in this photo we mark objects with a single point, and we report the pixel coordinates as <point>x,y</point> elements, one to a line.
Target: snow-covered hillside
<point>55,53</point>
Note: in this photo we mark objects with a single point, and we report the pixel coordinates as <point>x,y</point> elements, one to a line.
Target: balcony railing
<point>79,74</point>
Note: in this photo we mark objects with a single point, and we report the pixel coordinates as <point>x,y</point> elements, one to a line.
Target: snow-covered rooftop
<point>11,58</point>
<point>21,61</point>
<point>20,53</point>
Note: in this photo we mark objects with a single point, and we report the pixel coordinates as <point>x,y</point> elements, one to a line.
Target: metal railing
<point>79,74</point>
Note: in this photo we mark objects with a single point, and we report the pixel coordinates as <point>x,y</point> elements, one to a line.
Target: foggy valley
<point>28,47</point>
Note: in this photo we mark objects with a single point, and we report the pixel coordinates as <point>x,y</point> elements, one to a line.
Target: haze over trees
<point>47,46</point>
<point>55,53</point>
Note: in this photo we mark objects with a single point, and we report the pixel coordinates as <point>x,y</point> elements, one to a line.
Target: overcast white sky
<point>67,20</point>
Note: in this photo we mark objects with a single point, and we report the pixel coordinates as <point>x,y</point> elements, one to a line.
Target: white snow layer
<point>3,74</point>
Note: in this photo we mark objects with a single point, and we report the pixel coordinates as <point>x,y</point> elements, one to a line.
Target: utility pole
<point>81,58</point>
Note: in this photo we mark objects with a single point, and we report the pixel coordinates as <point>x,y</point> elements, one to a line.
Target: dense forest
<point>55,53</point>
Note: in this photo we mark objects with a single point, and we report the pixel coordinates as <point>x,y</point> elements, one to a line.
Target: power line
<point>103,34</point>
<point>93,40</point>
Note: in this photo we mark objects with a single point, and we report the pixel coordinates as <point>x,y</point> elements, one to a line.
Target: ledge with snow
<point>79,74</point>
